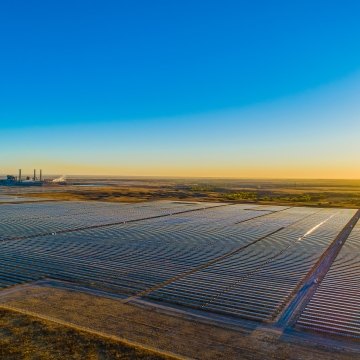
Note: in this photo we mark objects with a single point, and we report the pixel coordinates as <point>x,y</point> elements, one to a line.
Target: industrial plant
<point>12,180</point>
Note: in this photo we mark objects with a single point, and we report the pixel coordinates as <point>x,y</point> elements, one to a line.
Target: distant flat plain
<point>293,192</point>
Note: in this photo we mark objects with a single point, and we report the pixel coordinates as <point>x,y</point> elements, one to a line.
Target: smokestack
<point>19,175</point>
<point>40,175</point>
<point>34,174</point>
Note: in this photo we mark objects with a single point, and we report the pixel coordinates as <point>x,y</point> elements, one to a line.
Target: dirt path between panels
<point>150,329</point>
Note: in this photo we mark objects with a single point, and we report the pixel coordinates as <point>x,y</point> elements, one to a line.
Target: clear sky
<point>181,88</point>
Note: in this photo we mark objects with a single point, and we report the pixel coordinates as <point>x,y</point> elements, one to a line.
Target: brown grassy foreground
<point>324,193</point>
<point>27,337</point>
<point>148,326</point>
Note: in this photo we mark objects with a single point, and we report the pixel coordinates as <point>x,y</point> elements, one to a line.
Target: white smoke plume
<point>60,179</point>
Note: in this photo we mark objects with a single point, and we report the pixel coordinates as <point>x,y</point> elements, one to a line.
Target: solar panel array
<point>335,307</point>
<point>256,283</point>
<point>27,220</point>
<point>117,257</point>
<point>239,260</point>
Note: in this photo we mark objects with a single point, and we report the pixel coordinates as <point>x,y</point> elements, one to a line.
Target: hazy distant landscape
<point>324,193</point>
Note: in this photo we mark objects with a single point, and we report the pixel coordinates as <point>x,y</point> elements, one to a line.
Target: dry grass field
<point>27,337</point>
<point>324,193</point>
<point>145,325</point>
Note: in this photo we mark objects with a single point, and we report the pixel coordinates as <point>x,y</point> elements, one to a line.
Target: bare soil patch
<point>155,329</point>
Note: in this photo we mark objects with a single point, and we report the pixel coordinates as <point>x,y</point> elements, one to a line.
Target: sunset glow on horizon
<point>177,91</point>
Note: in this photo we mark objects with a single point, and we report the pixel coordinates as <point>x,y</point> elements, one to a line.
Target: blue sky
<point>192,88</point>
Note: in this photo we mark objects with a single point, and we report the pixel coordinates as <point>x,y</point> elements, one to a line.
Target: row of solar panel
<point>272,249</point>
<point>335,307</point>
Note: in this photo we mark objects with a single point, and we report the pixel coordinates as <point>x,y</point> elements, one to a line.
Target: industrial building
<point>11,180</point>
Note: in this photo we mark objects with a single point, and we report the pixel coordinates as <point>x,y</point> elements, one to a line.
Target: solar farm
<point>335,307</point>
<point>243,263</point>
